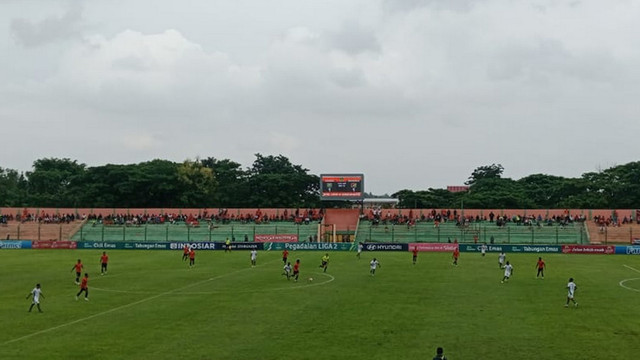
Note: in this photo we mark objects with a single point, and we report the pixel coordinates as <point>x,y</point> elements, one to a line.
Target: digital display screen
<point>341,186</point>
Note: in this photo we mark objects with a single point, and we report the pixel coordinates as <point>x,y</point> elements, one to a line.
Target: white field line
<point>122,307</point>
<point>621,283</point>
<point>629,267</point>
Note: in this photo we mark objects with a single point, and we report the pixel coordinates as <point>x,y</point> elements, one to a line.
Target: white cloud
<point>138,140</point>
<point>415,94</point>
<point>31,33</point>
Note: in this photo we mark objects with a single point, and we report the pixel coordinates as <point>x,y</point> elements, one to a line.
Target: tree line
<point>273,182</point>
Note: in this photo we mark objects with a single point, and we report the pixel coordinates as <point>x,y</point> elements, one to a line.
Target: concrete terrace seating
<point>37,231</point>
<point>623,234</point>
<point>179,231</point>
<point>474,232</point>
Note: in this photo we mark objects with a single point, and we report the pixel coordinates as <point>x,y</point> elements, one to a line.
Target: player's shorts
<point>284,259</point>
<point>78,274</point>
<point>296,272</point>
<point>104,265</point>
<point>569,296</point>
<point>324,263</point>
<point>36,301</point>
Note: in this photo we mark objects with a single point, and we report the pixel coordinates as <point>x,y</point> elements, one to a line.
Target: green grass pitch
<point>151,305</point>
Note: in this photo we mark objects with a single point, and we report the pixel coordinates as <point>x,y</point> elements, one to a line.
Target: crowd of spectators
<point>44,218</point>
<point>377,216</point>
<point>222,216</point>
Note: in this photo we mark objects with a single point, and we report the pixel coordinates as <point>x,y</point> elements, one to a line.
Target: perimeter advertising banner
<point>241,246</point>
<point>589,249</point>
<point>15,244</point>
<point>309,246</point>
<point>194,245</point>
<point>275,238</point>
<point>512,248</point>
<point>52,244</point>
<point>433,247</point>
<point>99,245</point>
<point>385,247</point>
<point>123,245</point>
<point>628,250</point>
<point>205,245</point>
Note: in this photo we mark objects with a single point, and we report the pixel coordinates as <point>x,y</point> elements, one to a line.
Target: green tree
<point>197,183</point>
<point>275,182</point>
<point>52,180</point>
<point>232,183</point>
<point>492,171</point>
<point>13,187</point>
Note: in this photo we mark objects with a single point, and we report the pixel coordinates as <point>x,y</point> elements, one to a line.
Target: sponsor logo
<point>150,246</point>
<point>386,247</point>
<point>513,248</point>
<point>540,249</point>
<point>276,238</point>
<point>311,246</point>
<point>50,244</point>
<point>192,245</point>
<point>628,250</point>
<point>441,247</point>
<point>588,249</point>
<point>4,244</point>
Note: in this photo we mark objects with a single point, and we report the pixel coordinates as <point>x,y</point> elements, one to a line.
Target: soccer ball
<point>310,279</point>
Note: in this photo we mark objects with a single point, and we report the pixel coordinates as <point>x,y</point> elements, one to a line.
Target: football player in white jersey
<point>36,293</point>
<point>501,258</point>
<point>374,265</point>
<point>287,270</point>
<point>254,256</point>
<point>508,270</point>
<point>572,287</point>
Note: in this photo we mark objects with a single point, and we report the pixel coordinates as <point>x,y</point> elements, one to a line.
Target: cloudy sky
<point>412,93</point>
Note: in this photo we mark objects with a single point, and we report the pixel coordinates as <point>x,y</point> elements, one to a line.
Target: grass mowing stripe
<point>123,306</point>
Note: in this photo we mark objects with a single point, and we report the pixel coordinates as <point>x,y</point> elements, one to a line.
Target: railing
<point>183,232</point>
<point>478,233</point>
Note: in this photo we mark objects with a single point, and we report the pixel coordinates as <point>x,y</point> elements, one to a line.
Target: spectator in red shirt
<point>84,287</point>
<point>104,259</point>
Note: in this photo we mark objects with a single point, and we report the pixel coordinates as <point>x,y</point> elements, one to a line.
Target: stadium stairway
<point>345,221</point>
<point>613,234</point>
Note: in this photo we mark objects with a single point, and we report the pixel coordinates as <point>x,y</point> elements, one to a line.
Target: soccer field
<point>151,305</point>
